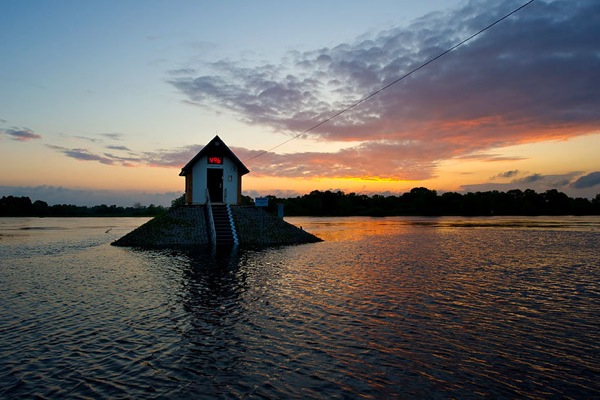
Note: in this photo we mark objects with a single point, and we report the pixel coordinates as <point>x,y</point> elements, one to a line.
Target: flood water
<point>383,308</point>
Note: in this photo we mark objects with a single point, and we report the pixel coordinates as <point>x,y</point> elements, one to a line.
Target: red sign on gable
<point>215,160</point>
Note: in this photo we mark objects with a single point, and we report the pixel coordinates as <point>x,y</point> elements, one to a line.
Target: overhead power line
<point>375,93</point>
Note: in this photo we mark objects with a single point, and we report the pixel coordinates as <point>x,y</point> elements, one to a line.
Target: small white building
<point>214,171</point>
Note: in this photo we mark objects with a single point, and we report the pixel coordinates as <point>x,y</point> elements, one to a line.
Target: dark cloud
<point>110,136</point>
<point>82,154</point>
<point>172,158</point>
<point>530,178</point>
<point>530,78</point>
<point>175,158</point>
<point>124,148</point>
<point>587,181</point>
<point>124,161</point>
<point>562,181</point>
<point>21,134</point>
<point>87,155</point>
<point>541,183</point>
<point>507,174</point>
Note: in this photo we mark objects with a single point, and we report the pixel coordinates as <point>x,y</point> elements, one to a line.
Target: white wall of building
<point>199,182</point>
<point>230,180</point>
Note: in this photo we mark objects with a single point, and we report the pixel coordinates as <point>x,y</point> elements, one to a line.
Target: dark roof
<point>215,147</point>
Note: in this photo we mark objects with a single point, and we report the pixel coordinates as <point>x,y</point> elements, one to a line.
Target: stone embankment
<point>187,226</point>
<point>256,227</point>
<point>179,227</point>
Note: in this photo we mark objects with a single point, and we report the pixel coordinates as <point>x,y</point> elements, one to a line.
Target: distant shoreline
<point>11,206</point>
<point>417,202</point>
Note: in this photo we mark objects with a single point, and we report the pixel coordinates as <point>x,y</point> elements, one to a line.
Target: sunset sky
<point>105,101</point>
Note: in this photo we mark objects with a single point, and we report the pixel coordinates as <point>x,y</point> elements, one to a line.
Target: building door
<point>214,181</point>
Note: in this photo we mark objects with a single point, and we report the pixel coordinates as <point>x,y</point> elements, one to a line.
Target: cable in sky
<point>375,93</point>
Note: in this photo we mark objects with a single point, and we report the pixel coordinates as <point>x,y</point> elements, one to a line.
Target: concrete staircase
<point>224,233</point>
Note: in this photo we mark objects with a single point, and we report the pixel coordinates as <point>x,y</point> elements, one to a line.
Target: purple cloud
<point>123,148</point>
<point>530,178</point>
<point>587,181</point>
<point>175,158</point>
<point>21,135</point>
<point>87,155</point>
<point>530,78</point>
<point>538,182</point>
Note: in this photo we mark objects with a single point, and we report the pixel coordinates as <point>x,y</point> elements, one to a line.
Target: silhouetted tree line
<point>11,206</point>
<point>422,201</point>
<point>419,201</point>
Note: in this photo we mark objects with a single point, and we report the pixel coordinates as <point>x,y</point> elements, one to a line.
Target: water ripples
<point>402,311</point>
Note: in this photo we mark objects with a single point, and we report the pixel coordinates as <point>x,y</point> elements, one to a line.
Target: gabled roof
<point>215,147</point>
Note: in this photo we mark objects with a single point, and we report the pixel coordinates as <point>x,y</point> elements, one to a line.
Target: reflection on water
<point>354,228</point>
<point>384,308</point>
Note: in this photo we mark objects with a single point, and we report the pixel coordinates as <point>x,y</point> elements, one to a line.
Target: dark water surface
<point>383,308</point>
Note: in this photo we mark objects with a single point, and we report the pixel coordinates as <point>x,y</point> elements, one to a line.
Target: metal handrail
<point>232,224</point>
<point>211,221</point>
